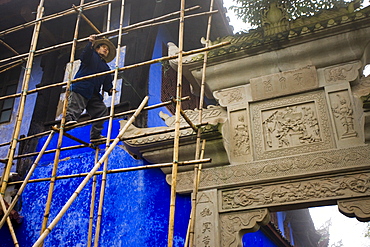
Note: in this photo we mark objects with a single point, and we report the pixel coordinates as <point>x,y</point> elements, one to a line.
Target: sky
<point>348,230</point>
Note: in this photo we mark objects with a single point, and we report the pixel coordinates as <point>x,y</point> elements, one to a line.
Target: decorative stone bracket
<point>358,207</point>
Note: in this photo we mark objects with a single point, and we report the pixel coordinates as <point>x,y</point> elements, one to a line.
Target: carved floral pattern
<point>253,196</point>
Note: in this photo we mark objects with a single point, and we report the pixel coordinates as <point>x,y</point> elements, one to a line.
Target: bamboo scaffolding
<point>193,209</point>
<point>177,128</point>
<point>71,137</point>
<point>92,203</point>
<point>110,124</point>
<point>110,33</point>
<point>87,178</point>
<point>129,169</point>
<point>16,64</point>
<point>86,6</point>
<point>28,176</point>
<point>26,78</point>
<point>153,61</point>
<point>78,10</point>
<point>61,130</point>
<point>200,119</point>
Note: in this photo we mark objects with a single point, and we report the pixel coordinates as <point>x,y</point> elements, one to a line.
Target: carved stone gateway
<point>289,129</point>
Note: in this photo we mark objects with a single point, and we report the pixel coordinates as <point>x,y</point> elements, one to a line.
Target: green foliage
<point>250,11</point>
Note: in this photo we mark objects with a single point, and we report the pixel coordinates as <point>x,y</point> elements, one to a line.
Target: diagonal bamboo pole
<point>92,203</point>
<point>28,176</point>
<point>110,124</point>
<point>91,173</point>
<point>177,128</point>
<point>61,130</point>
<point>199,132</point>
<point>86,19</point>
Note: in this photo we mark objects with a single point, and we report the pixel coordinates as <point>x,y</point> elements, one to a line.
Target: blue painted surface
<point>6,129</point>
<point>257,239</point>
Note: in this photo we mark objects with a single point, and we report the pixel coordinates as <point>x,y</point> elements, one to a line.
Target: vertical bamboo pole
<point>200,119</point>
<point>89,175</point>
<point>17,128</point>
<point>92,204</point>
<point>60,137</point>
<point>29,174</point>
<point>177,128</point>
<point>105,168</point>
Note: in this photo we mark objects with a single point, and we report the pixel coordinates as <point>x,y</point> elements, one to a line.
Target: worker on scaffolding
<point>85,94</point>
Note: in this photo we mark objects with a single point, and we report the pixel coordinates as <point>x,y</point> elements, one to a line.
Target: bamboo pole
<point>26,79</point>
<point>92,203</point>
<point>28,176</point>
<point>200,119</point>
<point>110,33</point>
<point>129,169</point>
<point>153,61</point>
<point>193,209</point>
<point>110,124</point>
<point>86,19</point>
<point>61,130</point>
<point>86,6</point>
<point>87,178</point>
<point>177,128</point>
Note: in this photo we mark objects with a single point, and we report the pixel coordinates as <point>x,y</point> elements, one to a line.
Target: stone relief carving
<point>358,207</point>
<point>297,166</point>
<point>287,193</point>
<point>231,95</point>
<point>240,135</point>
<point>343,112</point>
<point>343,73</point>
<point>291,125</point>
<point>234,225</point>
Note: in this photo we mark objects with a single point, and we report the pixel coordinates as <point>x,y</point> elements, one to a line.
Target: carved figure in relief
<point>290,127</point>
<point>241,137</point>
<point>344,112</point>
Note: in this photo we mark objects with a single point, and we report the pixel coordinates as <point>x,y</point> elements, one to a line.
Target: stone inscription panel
<point>291,125</point>
<point>284,83</point>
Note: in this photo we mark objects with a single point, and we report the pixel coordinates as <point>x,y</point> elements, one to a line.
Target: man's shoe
<point>72,122</point>
<point>98,139</point>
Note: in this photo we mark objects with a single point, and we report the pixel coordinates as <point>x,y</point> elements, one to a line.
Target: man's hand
<point>92,37</point>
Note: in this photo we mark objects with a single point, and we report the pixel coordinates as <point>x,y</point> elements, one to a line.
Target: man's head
<point>105,49</point>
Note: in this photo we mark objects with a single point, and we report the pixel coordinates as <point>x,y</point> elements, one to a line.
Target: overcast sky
<point>349,230</point>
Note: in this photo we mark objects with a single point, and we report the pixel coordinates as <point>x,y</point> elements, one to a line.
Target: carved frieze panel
<point>206,226</point>
<point>234,225</point>
<point>284,83</point>
<point>240,138</point>
<point>304,165</point>
<point>320,189</point>
<point>291,125</point>
<point>234,95</point>
<point>357,207</point>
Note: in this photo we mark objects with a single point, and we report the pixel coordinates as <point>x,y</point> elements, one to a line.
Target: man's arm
<point>88,50</point>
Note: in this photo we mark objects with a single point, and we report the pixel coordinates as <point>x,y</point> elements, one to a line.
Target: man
<point>85,94</point>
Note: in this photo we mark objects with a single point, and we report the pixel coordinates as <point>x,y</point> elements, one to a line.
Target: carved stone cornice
<point>299,166</point>
<point>235,225</point>
<point>358,207</point>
